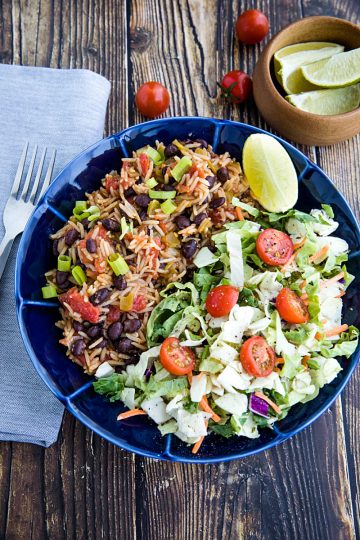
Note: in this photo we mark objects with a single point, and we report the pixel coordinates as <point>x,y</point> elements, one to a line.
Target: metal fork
<point>21,202</point>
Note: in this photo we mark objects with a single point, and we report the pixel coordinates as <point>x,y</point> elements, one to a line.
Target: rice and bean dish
<point>193,305</point>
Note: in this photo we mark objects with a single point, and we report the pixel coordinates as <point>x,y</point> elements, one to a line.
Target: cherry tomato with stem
<point>152,99</point>
<point>252,26</point>
<point>274,247</point>
<point>236,86</point>
<point>175,358</point>
<point>257,357</point>
<point>291,308</point>
<point>221,300</point>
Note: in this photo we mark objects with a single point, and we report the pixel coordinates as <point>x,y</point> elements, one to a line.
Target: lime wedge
<point>342,69</point>
<point>289,60</point>
<point>329,101</point>
<point>270,172</point>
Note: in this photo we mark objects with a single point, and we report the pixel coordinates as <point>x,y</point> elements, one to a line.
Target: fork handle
<point>5,248</point>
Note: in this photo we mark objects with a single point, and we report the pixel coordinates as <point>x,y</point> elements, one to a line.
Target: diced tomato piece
<point>194,168</point>
<point>111,182</point>
<point>144,163</point>
<point>139,303</point>
<point>113,315</point>
<point>77,303</point>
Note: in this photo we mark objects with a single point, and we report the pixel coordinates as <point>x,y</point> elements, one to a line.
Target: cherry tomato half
<point>252,26</point>
<point>274,247</point>
<point>221,300</point>
<point>236,86</point>
<point>291,308</point>
<point>176,359</point>
<point>257,357</point>
<point>152,99</point>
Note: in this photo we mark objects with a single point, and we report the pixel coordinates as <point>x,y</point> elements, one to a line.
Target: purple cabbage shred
<point>259,406</point>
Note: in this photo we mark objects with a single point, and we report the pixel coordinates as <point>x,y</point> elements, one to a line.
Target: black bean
<point>66,285</point>
<point>85,223</point>
<point>102,344</point>
<point>129,192</point>
<point>78,347</point>
<point>171,150</point>
<point>77,326</point>
<point>115,330</point>
<point>163,170</point>
<point>61,277</point>
<point>216,203</point>
<point>142,200</point>
<point>99,297</point>
<point>111,224</point>
<point>91,245</point>
<point>223,174</point>
<point>166,187</point>
<point>132,325</point>
<point>94,331</point>
<point>138,182</point>
<point>202,142</point>
<point>142,214</point>
<point>172,181</point>
<point>71,236</point>
<point>189,248</point>
<point>120,283</point>
<point>124,345</point>
<point>182,222</point>
<point>211,180</point>
<point>55,247</point>
<point>199,218</point>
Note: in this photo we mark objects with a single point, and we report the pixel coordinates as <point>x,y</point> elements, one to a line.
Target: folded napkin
<point>63,110</point>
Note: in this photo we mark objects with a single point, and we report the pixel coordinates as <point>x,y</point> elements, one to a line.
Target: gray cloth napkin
<point>63,110</point>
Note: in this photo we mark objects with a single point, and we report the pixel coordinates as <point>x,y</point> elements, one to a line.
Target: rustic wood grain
<point>82,487</point>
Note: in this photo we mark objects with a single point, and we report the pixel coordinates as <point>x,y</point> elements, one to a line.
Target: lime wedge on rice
<point>289,60</point>
<point>270,172</point>
<point>343,69</point>
<point>328,101</point>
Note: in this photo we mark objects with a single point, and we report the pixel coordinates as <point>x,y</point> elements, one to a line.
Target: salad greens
<point>215,398</point>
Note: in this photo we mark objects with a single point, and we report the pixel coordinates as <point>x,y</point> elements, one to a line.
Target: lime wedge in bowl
<point>270,172</point>
<point>289,60</point>
<point>343,69</point>
<point>329,101</point>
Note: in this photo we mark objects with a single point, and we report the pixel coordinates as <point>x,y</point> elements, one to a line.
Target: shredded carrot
<point>277,370</point>
<point>319,254</point>
<point>337,330</point>
<point>239,214</point>
<point>197,445</point>
<point>303,284</point>
<point>129,414</point>
<point>190,377</point>
<point>318,336</point>
<point>331,281</point>
<point>204,405</point>
<point>163,226</point>
<point>340,294</point>
<point>280,361</point>
<point>288,263</point>
<point>300,244</point>
<point>268,400</point>
<point>304,361</point>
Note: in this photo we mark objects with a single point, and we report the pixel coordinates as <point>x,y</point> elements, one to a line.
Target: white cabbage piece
<point>190,342</point>
<point>204,258</point>
<point>271,382</point>
<point>233,403</point>
<point>336,245</point>
<point>245,426</point>
<point>175,404</point>
<point>330,311</point>
<point>296,229</point>
<point>191,426</point>
<point>325,225</point>
<point>282,344</point>
<point>198,387</point>
<point>104,370</point>
<point>328,370</point>
<point>128,397</point>
<point>223,352</point>
<point>231,379</point>
<point>233,244</point>
<point>156,409</point>
<point>301,387</point>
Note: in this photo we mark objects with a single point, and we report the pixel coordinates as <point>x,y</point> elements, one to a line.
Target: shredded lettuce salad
<point>236,402</point>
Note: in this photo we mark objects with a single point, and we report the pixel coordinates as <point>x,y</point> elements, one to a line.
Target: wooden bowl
<point>293,123</point>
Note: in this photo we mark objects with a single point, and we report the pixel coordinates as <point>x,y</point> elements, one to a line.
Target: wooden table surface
<point>82,487</point>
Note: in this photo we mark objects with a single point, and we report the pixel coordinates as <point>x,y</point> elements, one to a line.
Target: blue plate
<point>37,318</point>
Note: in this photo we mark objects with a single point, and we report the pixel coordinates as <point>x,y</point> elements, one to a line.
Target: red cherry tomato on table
<point>274,247</point>
<point>257,357</point>
<point>152,99</point>
<point>236,86</point>
<point>291,308</point>
<point>252,26</point>
<point>221,300</point>
<point>176,359</point>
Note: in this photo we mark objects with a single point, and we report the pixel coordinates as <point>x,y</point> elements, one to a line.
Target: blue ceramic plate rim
<point>68,400</point>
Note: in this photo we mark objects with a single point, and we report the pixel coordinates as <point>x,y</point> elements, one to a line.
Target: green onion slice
<point>124,227</point>
<point>182,167</point>
<point>151,153</point>
<point>168,207</point>
<point>151,183</point>
<point>118,264</point>
<point>162,194</point>
<point>64,263</point>
<point>79,275</point>
<point>94,213</point>
<point>49,292</point>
